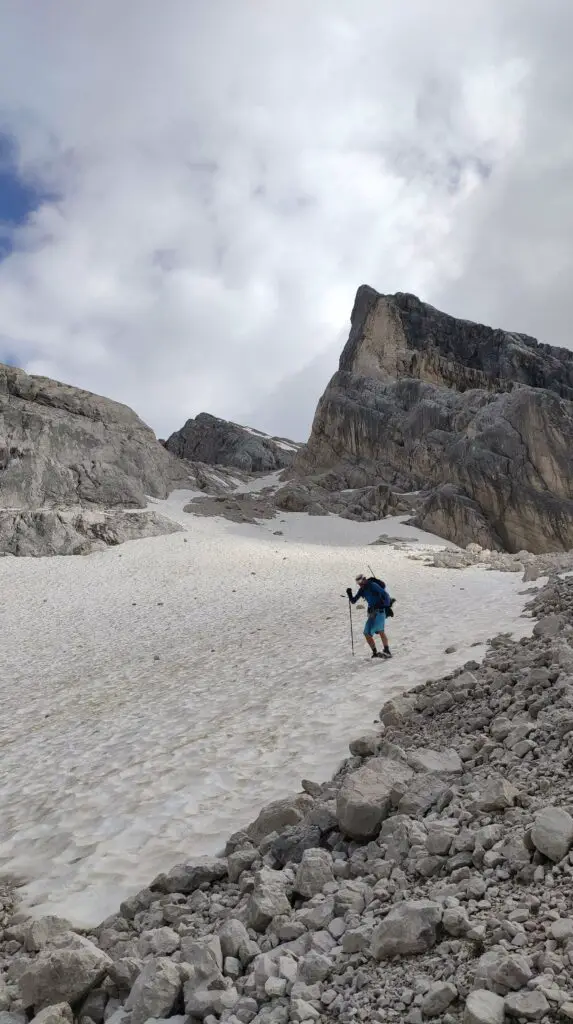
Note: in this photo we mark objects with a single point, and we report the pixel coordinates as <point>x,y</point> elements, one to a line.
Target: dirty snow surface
<point>156,695</point>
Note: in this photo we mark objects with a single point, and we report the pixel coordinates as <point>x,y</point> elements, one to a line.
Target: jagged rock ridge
<point>218,442</point>
<point>479,421</point>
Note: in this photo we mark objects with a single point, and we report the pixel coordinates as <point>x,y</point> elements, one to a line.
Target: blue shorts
<point>375,624</point>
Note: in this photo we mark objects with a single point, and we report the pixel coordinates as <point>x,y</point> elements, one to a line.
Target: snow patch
<point>156,695</point>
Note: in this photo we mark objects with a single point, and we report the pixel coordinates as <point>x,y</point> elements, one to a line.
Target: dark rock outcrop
<point>215,441</point>
<point>479,421</point>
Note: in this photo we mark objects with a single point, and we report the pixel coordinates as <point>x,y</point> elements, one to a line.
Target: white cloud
<point>228,174</point>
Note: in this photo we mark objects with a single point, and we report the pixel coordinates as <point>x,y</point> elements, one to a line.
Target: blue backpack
<point>388,607</point>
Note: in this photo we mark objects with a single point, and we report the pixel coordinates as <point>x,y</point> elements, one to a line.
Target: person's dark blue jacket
<point>374,595</point>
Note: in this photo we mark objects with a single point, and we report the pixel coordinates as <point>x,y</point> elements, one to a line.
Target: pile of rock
<point>430,879</point>
<point>532,566</point>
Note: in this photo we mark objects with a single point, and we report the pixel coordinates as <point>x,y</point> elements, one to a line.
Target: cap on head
<point>361,578</point>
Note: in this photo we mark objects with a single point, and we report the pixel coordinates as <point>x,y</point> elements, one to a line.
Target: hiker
<point>378,601</point>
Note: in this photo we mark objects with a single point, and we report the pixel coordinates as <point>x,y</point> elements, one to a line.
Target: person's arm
<point>359,594</point>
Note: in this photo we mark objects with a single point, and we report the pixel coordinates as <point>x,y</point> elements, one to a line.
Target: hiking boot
<point>386,653</point>
<point>375,654</point>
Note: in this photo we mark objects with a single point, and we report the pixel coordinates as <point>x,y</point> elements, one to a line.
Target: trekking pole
<point>351,629</point>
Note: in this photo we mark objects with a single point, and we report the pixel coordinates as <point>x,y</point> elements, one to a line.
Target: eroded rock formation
<point>479,421</point>
<point>65,448</point>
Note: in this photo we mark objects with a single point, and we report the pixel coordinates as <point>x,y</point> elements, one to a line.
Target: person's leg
<point>385,645</point>
<point>368,636</point>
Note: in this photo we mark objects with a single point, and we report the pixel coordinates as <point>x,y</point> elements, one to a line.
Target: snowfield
<point>156,695</point>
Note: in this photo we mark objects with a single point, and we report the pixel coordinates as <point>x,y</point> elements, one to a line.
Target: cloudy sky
<point>192,190</point>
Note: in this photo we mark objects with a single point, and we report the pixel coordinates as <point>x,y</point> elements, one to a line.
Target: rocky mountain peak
<point>395,336</point>
<point>472,425</point>
<point>215,441</point>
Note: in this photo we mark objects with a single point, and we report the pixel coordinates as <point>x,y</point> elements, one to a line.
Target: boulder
<point>314,873</point>
<point>552,833</point>
<point>365,797</point>
<point>410,927</point>
<point>437,762</point>
<point>424,792</point>
<point>497,795</point>
<point>62,976</point>
<point>278,815</point>
<point>155,991</point>
<point>60,1013</point>
<point>268,900</point>
<point>439,996</point>
<point>235,941</point>
<point>502,972</point>
<point>527,1005</point>
<point>186,878</point>
<point>484,1007</point>
<point>40,932</point>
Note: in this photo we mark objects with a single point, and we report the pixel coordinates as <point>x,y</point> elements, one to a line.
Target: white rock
<point>364,798</point>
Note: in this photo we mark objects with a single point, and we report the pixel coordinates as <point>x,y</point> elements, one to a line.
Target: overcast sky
<point>192,190</point>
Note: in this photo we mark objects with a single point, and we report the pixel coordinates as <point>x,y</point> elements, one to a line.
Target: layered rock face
<point>62,447</point>
<point>218,442</point>
<point>480,421</point>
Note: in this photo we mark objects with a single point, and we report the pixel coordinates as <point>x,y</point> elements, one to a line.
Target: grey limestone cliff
<point>479,421</point>
<point>65,448</point>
